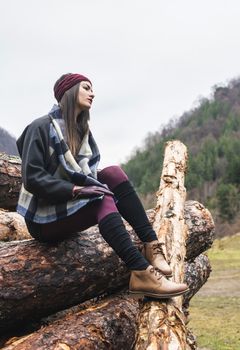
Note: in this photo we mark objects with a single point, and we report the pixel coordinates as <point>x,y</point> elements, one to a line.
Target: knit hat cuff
<point>66,83</point>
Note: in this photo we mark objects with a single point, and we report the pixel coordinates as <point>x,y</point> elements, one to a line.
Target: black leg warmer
<point>131,209</point>
<point>115,234</point>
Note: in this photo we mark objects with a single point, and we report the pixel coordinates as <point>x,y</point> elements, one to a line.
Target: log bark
<point>196,275</point>
<point>10,180</point>
<point>201,228</point>
<point>37,279</point>
<point>198,219</point>
<point>110,324</point>
<point>111,321</point>
<point>12,226</point>
<point>162,324</point>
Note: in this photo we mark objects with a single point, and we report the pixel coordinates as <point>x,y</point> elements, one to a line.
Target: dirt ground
<point>224,283</point>
<point>224,279</point>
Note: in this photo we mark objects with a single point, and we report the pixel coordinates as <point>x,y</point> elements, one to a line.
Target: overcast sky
<point>149,61</point>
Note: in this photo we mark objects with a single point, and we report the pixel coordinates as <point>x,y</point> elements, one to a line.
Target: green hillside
<point>212,134</point>
<point>7,143</point>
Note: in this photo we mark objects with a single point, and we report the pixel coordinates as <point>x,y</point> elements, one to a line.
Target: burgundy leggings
<point>92,213</point>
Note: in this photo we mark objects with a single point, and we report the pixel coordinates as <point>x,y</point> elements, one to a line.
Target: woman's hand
<point>90,191</point>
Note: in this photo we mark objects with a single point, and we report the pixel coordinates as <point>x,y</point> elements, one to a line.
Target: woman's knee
<point>106,207</point>
<point>112,176</point>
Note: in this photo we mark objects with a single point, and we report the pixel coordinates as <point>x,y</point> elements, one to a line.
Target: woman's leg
<point>128,202</point>
<point>77,222</point>
<point>131,208</point>
<point>144,277</point>
<point>105,213</point>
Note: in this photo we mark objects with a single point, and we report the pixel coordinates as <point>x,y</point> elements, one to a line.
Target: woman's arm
<point>90,191</point>
<point>36,178</point>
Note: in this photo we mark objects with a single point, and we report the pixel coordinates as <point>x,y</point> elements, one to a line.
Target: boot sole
<point>157,296</point>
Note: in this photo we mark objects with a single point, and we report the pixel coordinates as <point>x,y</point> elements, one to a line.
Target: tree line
<point>211,131</point>
<point>7,143</point>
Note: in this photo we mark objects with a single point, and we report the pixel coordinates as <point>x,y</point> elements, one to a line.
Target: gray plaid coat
<point>49,170</point>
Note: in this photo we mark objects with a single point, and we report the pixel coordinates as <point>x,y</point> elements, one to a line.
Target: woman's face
<point>85,95</point>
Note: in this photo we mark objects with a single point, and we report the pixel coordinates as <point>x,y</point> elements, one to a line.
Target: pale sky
<point>149,61</point>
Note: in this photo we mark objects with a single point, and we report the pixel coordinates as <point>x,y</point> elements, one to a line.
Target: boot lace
<point>156,272</point>
<point>157,249</point>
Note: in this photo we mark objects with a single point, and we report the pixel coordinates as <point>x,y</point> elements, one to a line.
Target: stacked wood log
<point>38,279</point>
<point>10,180</point>
<point>12,226</point>
<point>110,324</point>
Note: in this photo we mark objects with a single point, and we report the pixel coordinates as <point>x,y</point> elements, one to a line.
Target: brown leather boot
<point>153,253</point>
<point>152,283</point>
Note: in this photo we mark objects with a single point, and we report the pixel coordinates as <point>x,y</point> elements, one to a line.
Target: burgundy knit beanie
<point>65,82</point>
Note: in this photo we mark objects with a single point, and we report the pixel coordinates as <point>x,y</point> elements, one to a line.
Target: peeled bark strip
<point>71,327</point>
<point>162,324</point>
<point>10,180</point>
<point>12,226</point>
<point>110,324</point>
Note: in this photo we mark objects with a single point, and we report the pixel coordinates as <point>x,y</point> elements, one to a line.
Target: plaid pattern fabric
<point>82,172</point>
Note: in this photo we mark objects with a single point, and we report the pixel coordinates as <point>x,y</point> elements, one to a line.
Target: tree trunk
<point>101,322</point>
<point>162,324</point>
<point>10,180</point>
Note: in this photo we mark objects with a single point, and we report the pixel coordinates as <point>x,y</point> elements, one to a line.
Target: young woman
<point>63,192</point>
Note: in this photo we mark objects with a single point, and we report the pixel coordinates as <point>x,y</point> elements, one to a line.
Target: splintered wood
<point>162,323</point>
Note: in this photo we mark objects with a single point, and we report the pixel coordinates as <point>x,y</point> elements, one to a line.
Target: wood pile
<point>73,294</point>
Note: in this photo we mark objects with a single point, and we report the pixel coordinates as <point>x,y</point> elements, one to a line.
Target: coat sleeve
<point>36,178</point>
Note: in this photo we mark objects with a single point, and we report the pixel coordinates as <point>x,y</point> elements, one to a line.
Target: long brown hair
<point>76,124</point>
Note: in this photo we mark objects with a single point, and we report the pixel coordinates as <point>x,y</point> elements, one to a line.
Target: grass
<point>216,322</point>
<point>215,310</point>
<point>225,254</point>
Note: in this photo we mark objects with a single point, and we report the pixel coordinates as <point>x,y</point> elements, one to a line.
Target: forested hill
<point>7,143</point>
<point>212,134</point>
